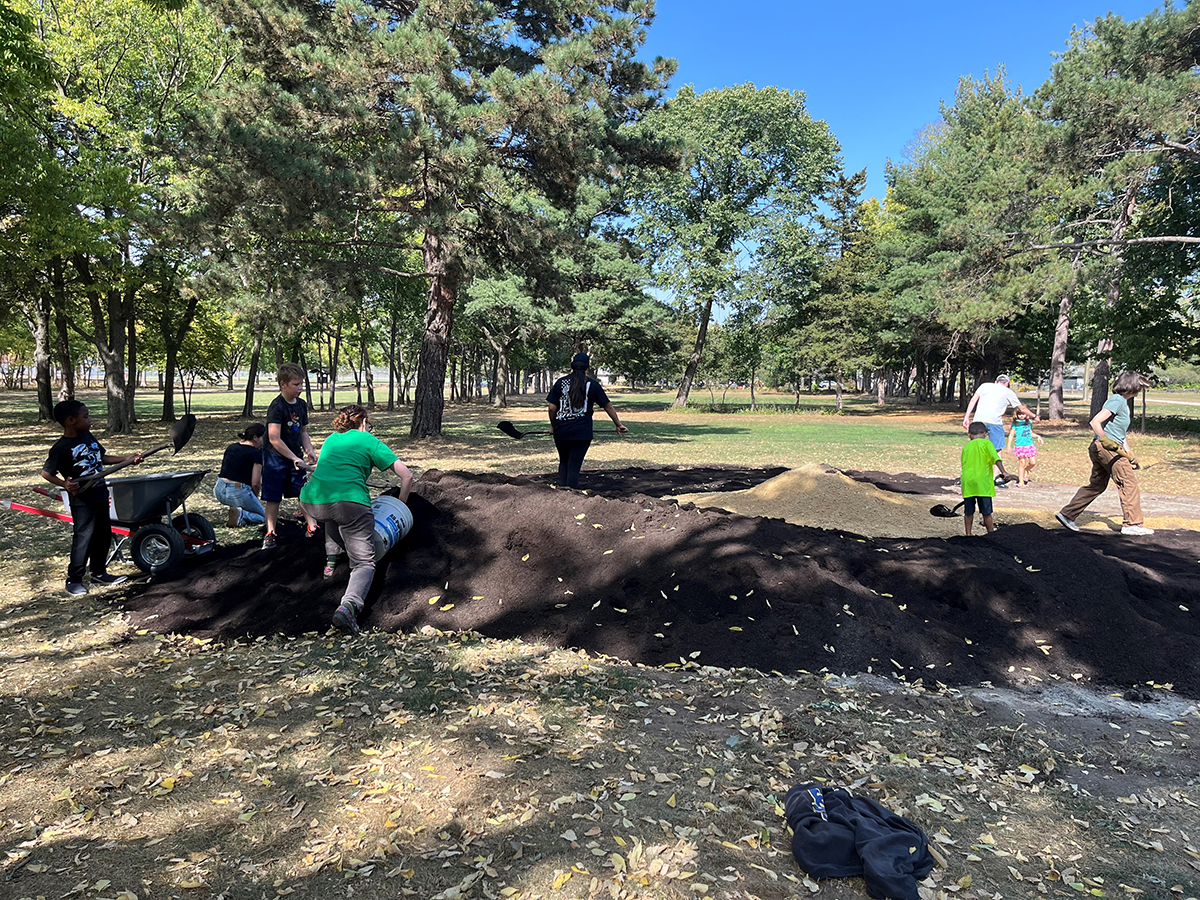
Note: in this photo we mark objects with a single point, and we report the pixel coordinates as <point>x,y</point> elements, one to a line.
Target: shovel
<point>180,433</point>
<point>511,430</point>
<point>942,511</point>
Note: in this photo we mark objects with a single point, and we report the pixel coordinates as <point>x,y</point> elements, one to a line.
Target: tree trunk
<point>171,367</point>
<point>106,306</point>
<point>880,387</point>
<point>368,375</point>
<point>307,380</point>
<point>131,344</point>
<point>391,404</point>
<point>252,371</point>
<point>1111,295</point>
<point>430,401</point>
<point>1058,356</point>
<point>335,359</point>
<point>40,322</point>
<point>62,346</point>
<point>693,364</point>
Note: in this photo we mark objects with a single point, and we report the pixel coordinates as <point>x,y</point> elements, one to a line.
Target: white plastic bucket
<point>393,520</point>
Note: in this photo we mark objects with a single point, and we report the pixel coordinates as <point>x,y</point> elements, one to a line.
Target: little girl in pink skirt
<point>1020,442</point>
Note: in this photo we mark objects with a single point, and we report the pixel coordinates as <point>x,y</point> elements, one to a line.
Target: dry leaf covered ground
<point>440,764</point>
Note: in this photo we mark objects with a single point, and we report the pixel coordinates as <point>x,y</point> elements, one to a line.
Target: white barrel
<point>393,520</point>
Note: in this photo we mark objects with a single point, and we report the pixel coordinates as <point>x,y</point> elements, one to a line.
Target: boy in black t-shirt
<point>77,455</point>
<point>287,442</point>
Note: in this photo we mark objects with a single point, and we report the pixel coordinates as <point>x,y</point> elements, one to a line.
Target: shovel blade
<point>942,511</point>
<point>510,429</point>
<point>181,432</point>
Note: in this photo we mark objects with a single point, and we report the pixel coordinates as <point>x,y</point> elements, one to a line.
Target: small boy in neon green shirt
<point>978,457</point>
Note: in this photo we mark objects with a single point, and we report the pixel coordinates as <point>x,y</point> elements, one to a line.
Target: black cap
<point>580,361</point>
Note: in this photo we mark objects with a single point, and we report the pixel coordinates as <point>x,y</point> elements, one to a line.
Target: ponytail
<point>578,390</point>
<point>252,431</point>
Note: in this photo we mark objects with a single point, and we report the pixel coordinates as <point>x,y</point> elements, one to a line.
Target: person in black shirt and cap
<point>572,400</point>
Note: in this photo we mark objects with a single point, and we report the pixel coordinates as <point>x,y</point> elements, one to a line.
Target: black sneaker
<point>75,589</point>
<point>269,541</point>
<point>345,620</point>
<point>109,578</point>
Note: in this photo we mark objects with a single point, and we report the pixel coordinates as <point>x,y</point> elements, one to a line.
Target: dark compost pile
<point>625,574</point>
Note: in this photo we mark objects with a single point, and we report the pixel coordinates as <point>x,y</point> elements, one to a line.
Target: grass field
<point>445,767</point>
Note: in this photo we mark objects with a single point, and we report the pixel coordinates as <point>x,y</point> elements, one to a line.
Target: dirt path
<point>1035,495</point>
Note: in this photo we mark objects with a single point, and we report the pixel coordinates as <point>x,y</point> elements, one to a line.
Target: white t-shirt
<point>994,401</point>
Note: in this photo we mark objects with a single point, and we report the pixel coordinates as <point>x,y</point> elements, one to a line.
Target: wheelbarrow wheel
<point>197,527</point>
<point>155,548</point>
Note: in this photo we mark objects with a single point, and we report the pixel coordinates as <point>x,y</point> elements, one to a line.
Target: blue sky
<point>876,72</point>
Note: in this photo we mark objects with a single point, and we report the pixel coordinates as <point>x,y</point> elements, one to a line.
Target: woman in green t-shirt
<point>337,495</point>
<point>1109,452</point>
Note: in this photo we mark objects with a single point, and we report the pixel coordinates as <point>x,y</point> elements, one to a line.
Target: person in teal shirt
<point>1111,460</point>
<point>337,496</point>
<point>978,488</point>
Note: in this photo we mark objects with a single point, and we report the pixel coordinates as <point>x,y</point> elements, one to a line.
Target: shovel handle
<point>92,479</point>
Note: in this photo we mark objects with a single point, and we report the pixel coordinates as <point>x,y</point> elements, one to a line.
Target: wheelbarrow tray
<point>142,498</point>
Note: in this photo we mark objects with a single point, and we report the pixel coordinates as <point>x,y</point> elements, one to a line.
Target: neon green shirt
<point>978,457</point>
<point>343,467</point>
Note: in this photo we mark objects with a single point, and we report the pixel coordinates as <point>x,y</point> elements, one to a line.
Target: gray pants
<point>350,527</point>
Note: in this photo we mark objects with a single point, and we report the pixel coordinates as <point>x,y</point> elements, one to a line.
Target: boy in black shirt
<point>77,455</point>
<point>283,452</point>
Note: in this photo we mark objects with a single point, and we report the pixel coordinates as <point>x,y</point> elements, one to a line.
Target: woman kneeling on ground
<point>1108,461</point>
<point>240,480</point>
<point>337,496</point>
<point>571,402</point>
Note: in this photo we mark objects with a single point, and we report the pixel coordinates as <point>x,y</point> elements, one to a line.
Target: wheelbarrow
<point>141,508</point>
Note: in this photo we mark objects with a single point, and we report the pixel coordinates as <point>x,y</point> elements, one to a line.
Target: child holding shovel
<point>978,457</point>
<point>77,456</point>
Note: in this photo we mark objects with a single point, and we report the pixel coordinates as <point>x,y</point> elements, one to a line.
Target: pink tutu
<point>1027,452</point>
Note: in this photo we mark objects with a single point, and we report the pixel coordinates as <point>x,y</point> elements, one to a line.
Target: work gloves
<point>1109,444</point>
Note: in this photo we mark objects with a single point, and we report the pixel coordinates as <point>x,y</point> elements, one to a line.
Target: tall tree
<point>1121,105</point>
<point>471,121</point>
<point>750,155</point>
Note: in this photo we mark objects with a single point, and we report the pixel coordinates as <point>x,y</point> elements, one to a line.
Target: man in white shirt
<point>989,403</point>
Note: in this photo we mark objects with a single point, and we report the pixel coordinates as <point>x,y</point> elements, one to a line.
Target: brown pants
<point>1107,465</point>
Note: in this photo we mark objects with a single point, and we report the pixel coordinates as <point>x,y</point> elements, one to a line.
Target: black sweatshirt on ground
<point>837,835</point>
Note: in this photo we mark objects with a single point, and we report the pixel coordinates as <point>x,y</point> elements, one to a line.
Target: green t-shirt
<point>978,457</point>
<point>1116,427</point>
<point>345,463</point>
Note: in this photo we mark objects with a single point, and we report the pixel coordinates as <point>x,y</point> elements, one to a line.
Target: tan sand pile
<point>819,497</point>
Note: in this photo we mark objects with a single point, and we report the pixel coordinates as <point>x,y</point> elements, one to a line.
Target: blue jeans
<point>250,510</point>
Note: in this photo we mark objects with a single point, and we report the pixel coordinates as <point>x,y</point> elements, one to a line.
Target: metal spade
<point>180,433</point>
<point>942,511</point>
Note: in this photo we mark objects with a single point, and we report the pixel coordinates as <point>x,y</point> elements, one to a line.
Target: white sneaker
<point>1065,522</point>
<point>1136,529</point>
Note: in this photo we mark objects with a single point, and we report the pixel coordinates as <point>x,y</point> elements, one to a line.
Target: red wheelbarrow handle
<point>62,517</point>
<point>37,511</point>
